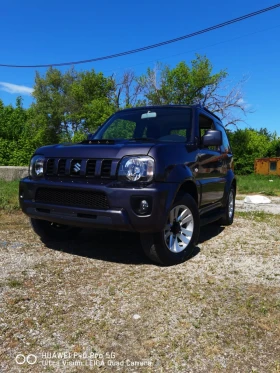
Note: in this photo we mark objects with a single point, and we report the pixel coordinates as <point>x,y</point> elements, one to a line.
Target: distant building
<point>267,166</point>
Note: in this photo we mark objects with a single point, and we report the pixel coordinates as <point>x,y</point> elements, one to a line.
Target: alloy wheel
<point>230,204</point>
<point>179,229</point>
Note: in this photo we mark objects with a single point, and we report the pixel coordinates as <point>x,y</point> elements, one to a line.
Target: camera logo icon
<point>29,359</point>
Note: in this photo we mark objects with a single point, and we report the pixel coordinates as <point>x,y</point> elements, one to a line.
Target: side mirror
<point>212,138</point>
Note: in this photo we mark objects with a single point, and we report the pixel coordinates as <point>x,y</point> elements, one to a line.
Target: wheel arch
<point>234,184</point>
<point>188,186</point>
<point>231,182</point>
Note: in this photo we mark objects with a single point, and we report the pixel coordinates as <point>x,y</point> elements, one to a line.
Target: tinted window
<point>205,124</point>
<point>120,129</point>
<point>225,148</point>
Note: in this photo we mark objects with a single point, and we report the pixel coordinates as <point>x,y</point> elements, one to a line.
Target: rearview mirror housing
<point>212,138</point>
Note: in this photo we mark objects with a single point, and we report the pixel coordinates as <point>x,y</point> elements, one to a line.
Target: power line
<point>192,50</point>
<point>152,46</point>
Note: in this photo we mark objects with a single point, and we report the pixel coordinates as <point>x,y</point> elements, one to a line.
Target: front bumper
<point>119,216</point>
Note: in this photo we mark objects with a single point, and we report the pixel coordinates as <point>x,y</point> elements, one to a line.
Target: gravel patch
<point>96,304</point>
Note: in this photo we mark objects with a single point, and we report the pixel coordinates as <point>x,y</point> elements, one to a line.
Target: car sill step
<point>211,218</point>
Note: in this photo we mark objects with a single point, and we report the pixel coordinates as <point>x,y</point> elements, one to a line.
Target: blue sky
<point>36,32</point>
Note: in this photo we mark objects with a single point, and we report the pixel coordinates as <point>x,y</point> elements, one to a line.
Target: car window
<point>179,132</point>
<point>225,147</point>
<point>159,124</point>
<point>206,123</point>
<point>120,128</point>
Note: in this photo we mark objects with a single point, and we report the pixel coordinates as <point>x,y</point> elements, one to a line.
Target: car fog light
<point>143,206</point>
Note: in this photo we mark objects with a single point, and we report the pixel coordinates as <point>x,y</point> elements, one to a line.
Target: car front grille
<point>91,165</point>
<point>61,166</point>
<point>75,198</point>
<point>87,168</point>
<point>106,168</point>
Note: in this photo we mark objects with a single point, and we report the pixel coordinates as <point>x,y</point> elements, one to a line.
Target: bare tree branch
<point>227,104</point>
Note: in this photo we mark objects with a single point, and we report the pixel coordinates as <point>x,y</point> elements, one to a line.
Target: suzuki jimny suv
<point>162,171</point>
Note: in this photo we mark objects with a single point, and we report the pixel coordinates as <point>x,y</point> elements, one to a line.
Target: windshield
<point>154,124</point>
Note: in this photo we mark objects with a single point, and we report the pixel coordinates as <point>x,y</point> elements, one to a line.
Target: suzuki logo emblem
<point>77,167</point>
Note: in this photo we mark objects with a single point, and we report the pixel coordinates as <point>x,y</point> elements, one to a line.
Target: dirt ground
<point>96,304</point>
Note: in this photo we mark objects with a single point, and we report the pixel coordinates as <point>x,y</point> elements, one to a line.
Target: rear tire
<point>228,217</point>
<point>49,231</point>
<point>176,242</point>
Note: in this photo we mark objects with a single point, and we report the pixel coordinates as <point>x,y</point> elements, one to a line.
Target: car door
<point>226,153</point>
<point>209,171</point>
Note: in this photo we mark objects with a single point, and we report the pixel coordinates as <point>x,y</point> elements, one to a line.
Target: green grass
<point>259,216</point>
<point>9,195</point>
<point>258,184</point>
<point>14,283</point>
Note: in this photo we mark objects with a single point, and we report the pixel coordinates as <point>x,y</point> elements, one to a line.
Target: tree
<point>227,103</point>
<point>247,145</point>
<point>12,119</point>
<point>274,148</point>
<point>129,91</point>
<point>68,102</point>
<point>16,138</point>
<point>182,84</point>
<point>193,84</point>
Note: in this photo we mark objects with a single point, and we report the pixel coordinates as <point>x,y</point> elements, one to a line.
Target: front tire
<point>49,231</point>
<point>176,242</point>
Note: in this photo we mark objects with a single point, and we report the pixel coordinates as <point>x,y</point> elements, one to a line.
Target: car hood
<point>111,150</point>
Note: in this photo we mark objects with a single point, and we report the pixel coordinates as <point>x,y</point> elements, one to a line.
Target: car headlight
<point>136,168</point>
<point>36,167</point>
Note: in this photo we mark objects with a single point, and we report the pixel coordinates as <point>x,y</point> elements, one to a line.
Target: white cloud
<point>14,88</point>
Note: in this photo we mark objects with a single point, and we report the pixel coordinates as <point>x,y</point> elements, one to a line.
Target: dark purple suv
<point>162,171</point>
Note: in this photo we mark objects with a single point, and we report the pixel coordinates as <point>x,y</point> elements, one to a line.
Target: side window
<point>120,128</point>
<point>225,148</point>
<point>206,123</point>
<point>179,132</point>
